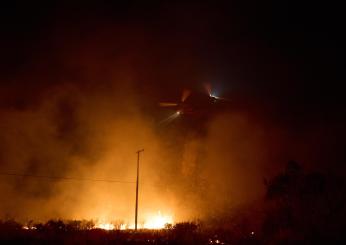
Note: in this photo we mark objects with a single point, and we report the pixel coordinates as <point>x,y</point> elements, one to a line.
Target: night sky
<point>281,64</point>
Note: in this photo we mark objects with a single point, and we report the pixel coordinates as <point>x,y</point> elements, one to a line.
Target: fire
<point>154,222</point>
<point>105,226</point>
<point>25,227</point>
<point>158,221</point>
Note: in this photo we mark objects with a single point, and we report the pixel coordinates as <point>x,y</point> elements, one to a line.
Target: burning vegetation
<point>297,208</point>
<point>220,95</point>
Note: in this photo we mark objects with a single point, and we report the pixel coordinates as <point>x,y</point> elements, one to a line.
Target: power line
<point>67,178</point>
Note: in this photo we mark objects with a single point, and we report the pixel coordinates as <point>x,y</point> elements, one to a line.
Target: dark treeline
<point>300,207</point>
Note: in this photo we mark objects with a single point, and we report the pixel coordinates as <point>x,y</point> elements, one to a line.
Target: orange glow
<point>157,221</point>
<point>25,227</point>
<point>105,226</point>
<point>153,222</point>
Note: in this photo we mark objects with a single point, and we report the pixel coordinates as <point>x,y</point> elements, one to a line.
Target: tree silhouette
<point>304,205</point>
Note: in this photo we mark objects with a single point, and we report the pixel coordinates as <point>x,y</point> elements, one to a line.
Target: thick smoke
<point>94,133</point>
<point>87,107</point>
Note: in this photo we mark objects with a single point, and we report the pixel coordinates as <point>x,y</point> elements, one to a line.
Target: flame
<point>105,226</point>
<point>158,221</point>
<point>25,227</point>
<point>152,221</point>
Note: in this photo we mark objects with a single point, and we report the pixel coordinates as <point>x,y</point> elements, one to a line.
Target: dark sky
<point>291,52</point>
<point>281,62</point>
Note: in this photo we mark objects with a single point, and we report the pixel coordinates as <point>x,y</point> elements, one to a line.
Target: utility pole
<point>136,210</point>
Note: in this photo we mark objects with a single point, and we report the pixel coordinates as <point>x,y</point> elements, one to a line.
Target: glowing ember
<point>105,226</point>
<point>25,227</point>
<point>157,221</point>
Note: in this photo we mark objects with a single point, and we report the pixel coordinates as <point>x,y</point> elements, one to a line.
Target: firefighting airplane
<point>197,104</point>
